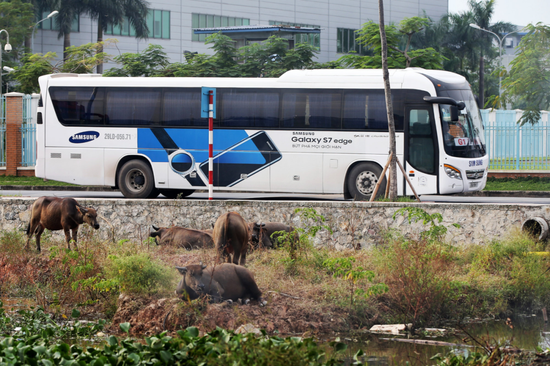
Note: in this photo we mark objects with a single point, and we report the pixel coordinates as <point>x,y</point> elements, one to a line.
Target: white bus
<point>308,131</point>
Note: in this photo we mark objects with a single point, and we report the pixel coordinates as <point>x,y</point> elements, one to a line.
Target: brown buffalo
<point>261,234</point>
<point>231,237</point>
<point>226,281</point>
<point>54,213</point>
<point>182,237</point>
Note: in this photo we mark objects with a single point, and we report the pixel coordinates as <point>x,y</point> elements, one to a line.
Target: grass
<point>6,180</point>
<point>405,278</point>
<point>493,184</point>
<point>518,184</point>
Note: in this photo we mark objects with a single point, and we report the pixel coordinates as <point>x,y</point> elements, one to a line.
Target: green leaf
<point>125,327</point>
<point>75,314</point>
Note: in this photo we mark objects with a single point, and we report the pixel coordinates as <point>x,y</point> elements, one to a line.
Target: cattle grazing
<point>231,237</point>
<point>261,233</point>
<point>182,237</point>
<point>226,281</point>
<point>54,213</point>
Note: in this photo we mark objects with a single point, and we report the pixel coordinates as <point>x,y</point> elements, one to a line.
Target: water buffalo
<point>54,213</point>
<point>225,281</point>
<point>231,237</point>
<point>182,237</point>
<point>261,233</point>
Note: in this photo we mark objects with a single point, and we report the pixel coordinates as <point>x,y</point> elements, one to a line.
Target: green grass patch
<point>518,184</point>
<point>7,180</point>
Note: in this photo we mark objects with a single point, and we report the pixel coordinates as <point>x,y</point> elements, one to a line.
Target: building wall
<point>329,14</point>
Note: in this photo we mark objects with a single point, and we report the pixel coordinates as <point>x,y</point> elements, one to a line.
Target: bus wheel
<point>362,179</point>
<point>176,193</point>
<point>135,180</point>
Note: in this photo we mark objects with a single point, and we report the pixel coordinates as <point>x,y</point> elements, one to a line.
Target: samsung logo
<point>84,137</point>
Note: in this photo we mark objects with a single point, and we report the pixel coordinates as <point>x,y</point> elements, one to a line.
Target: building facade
<point>171,23</point>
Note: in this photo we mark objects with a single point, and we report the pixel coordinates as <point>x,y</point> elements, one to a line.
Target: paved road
<point>514,198</point>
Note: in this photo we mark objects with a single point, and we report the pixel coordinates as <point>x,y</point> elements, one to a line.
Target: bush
<point>140,274</point>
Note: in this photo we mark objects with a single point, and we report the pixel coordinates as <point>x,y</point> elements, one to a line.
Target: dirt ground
<point>283,314</point>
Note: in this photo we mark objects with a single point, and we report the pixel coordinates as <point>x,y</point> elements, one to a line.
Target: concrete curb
<point>57,188</point>
<point>533,194</point>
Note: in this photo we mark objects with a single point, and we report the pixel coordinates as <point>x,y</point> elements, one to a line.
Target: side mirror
<point>454,113</point>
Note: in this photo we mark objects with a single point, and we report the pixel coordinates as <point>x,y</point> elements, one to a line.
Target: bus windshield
<point>465,137</point>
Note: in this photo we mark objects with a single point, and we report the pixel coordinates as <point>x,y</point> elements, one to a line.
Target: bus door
<point>421,151</point>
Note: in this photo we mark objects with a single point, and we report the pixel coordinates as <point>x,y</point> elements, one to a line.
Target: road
<point>516,199</point>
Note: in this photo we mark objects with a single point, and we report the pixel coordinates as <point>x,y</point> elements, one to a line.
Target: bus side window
<point>421,149</point>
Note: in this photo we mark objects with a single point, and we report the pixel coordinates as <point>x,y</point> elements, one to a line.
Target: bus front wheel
<point>362,179</point>
<point>135,180</point>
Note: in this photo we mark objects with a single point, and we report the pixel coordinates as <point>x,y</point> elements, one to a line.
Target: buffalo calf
<point>226,281</point>
<point>54,213</point>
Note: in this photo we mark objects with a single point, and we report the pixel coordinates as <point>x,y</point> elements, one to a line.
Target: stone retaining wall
<point>354,224</point>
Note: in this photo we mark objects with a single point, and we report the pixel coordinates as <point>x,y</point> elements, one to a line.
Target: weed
<point>138,273</point>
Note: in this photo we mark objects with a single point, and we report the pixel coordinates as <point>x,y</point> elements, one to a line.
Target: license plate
<point>474,184</point>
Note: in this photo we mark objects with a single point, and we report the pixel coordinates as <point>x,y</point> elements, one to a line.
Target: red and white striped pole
<point>210,144</point>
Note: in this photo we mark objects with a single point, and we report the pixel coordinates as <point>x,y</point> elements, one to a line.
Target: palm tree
<point>68,11</point>
<point>481,14</point>
<point>114,12</point>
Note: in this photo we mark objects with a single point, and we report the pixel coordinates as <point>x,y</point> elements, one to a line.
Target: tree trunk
<point>99,67</point>
<point>66,44</point>
<point>481,81</point>
<point>389,105</point>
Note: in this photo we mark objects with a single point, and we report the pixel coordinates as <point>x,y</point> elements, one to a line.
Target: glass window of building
<point>158,22</point>
<point>346,42</point>
<point>211,21</point>
<point>51,23</point>
<point>313,39</point>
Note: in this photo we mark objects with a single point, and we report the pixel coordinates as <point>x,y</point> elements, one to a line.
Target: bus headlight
<point>452,171</point>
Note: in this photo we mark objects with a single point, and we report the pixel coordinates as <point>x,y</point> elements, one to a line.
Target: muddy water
<point>524,332</point>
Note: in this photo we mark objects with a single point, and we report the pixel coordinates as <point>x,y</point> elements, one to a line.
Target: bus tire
<point>135,180</point>
<point>362,179</point>
<point>176,193</point>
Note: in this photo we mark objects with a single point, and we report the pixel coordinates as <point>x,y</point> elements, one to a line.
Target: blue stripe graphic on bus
<point>81,137</point>
<point>236,154</point>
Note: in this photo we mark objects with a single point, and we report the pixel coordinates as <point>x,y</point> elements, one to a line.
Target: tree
<point>68,11</point>
<point>389,105</point>
<point>150,62</point>
<point>398,57</point>
<point>482,13</point>
<point>113,12</point>
<point>81,59</point>
<point>17,18</point>
<point>527,82</point>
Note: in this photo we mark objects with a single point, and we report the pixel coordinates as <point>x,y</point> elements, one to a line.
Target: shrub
<point>139,273</point>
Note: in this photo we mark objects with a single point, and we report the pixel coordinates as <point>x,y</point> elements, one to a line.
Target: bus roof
<point>410,78</point>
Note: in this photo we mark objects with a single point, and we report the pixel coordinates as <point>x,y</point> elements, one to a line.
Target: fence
<point>2,130</point>
<point>28,134</point>
<point>514,147</point>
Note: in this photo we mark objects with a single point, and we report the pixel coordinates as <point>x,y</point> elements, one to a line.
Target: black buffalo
<point>226,281</point>
<point>261,234</point>
<point>182,237</point>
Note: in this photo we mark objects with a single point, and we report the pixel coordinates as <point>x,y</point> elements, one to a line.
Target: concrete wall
<point>353,223</point>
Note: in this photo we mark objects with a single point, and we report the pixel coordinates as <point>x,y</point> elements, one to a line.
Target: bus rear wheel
<point>135,180</point>
<point>362,179</point>
<point>176,193</point>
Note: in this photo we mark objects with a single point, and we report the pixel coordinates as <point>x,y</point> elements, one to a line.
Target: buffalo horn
<point>182,270</point>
